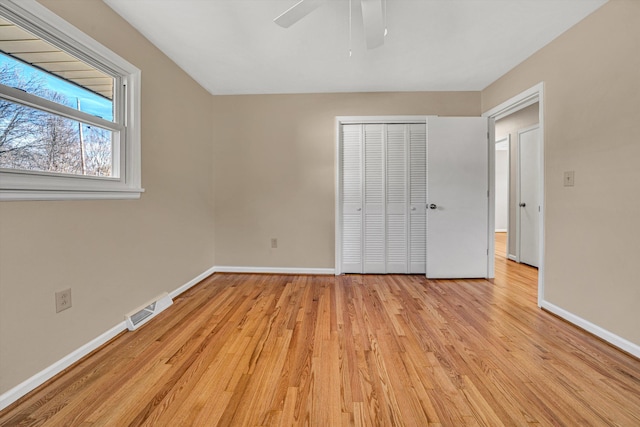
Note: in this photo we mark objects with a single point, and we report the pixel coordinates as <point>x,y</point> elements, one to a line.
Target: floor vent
<point>148,311</point>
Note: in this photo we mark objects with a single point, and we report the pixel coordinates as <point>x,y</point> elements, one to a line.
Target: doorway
<point>521,130</point>
<point>502,186</point>
<point>521,159</point>
<point>385,223</point>
<point>521,113</point>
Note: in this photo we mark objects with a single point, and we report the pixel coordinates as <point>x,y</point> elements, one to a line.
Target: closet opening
<point>412,196</point>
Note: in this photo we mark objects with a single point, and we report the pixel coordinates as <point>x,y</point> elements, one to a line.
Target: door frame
<point>342,120</point>
<point>518,184</point>
<point>510,106</point>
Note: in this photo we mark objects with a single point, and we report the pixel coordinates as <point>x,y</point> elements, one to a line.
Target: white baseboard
<point>611,338</point>
<point>501,230</point>
<point>273,270</point>
<point>512,257</point>
<point>192,282</point>
<point>41,377</point>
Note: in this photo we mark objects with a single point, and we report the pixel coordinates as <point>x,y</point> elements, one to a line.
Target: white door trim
<point>364,120</point>
<point>491,196</point>
<point>516,103</point>
<point>340,120</point>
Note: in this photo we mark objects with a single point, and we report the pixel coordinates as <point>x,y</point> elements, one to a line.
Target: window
<point>69,111</point>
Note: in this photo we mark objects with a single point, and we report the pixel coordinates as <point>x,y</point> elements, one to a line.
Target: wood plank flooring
<point>277,350</point>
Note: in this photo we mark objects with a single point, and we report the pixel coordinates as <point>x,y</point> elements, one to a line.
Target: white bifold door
<point>383,171</point>
<point>406,198</point>
<point>351,198</point>
<point>389,225</point>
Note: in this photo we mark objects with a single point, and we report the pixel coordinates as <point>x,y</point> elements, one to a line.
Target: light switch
<point>568,179</point>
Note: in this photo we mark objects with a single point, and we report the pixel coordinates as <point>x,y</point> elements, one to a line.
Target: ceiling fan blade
<point>297,12</point>
<point>373,20</point>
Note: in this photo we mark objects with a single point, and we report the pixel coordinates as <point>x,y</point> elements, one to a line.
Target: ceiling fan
<point>372,18</point>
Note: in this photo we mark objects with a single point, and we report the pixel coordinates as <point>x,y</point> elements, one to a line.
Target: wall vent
<point>148,311</point>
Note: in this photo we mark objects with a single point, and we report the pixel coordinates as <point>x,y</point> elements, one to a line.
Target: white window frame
<point>126,183</point>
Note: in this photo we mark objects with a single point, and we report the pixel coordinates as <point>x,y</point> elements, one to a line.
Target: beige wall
<point>275,174</point>
<point>509,126</point>
<point>592,122</point>
<point>115,255</point>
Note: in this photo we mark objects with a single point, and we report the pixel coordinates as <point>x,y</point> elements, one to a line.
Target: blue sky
<point>89,102</point>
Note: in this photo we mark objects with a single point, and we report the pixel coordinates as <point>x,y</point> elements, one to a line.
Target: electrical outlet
<point>63,300</point>
<point>274,243</point>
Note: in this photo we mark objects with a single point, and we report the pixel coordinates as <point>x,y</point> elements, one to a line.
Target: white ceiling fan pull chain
<point>350,52</point>
<point>386,31</point>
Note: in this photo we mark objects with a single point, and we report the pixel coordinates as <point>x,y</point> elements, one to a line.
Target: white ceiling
<point>233,46</point>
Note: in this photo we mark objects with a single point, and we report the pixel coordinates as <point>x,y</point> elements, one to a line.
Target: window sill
<point>25,195</point>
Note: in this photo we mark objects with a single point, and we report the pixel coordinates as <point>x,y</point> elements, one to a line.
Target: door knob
<point>432,206</point>
<point>522,205</point>
<point>413,208</point>
<point>359,209</point>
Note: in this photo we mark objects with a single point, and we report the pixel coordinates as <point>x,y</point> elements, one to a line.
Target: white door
<point>351,200</point>
<point>457,182</point>
<point>529,200</point>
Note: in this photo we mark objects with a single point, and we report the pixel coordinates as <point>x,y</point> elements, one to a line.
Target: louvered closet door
<point>417,198</point>
<point>383,171</point>
<point>396,196</point>
<point>351,172</point>
<point>374,198</point>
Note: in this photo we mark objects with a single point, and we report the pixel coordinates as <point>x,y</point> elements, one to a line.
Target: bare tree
<point>57,148</point>
<point>31,139</point>
<point>17,121</point>
<point>98,151</point>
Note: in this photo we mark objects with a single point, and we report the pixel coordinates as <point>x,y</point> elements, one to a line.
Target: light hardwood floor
<point>266,350</point>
